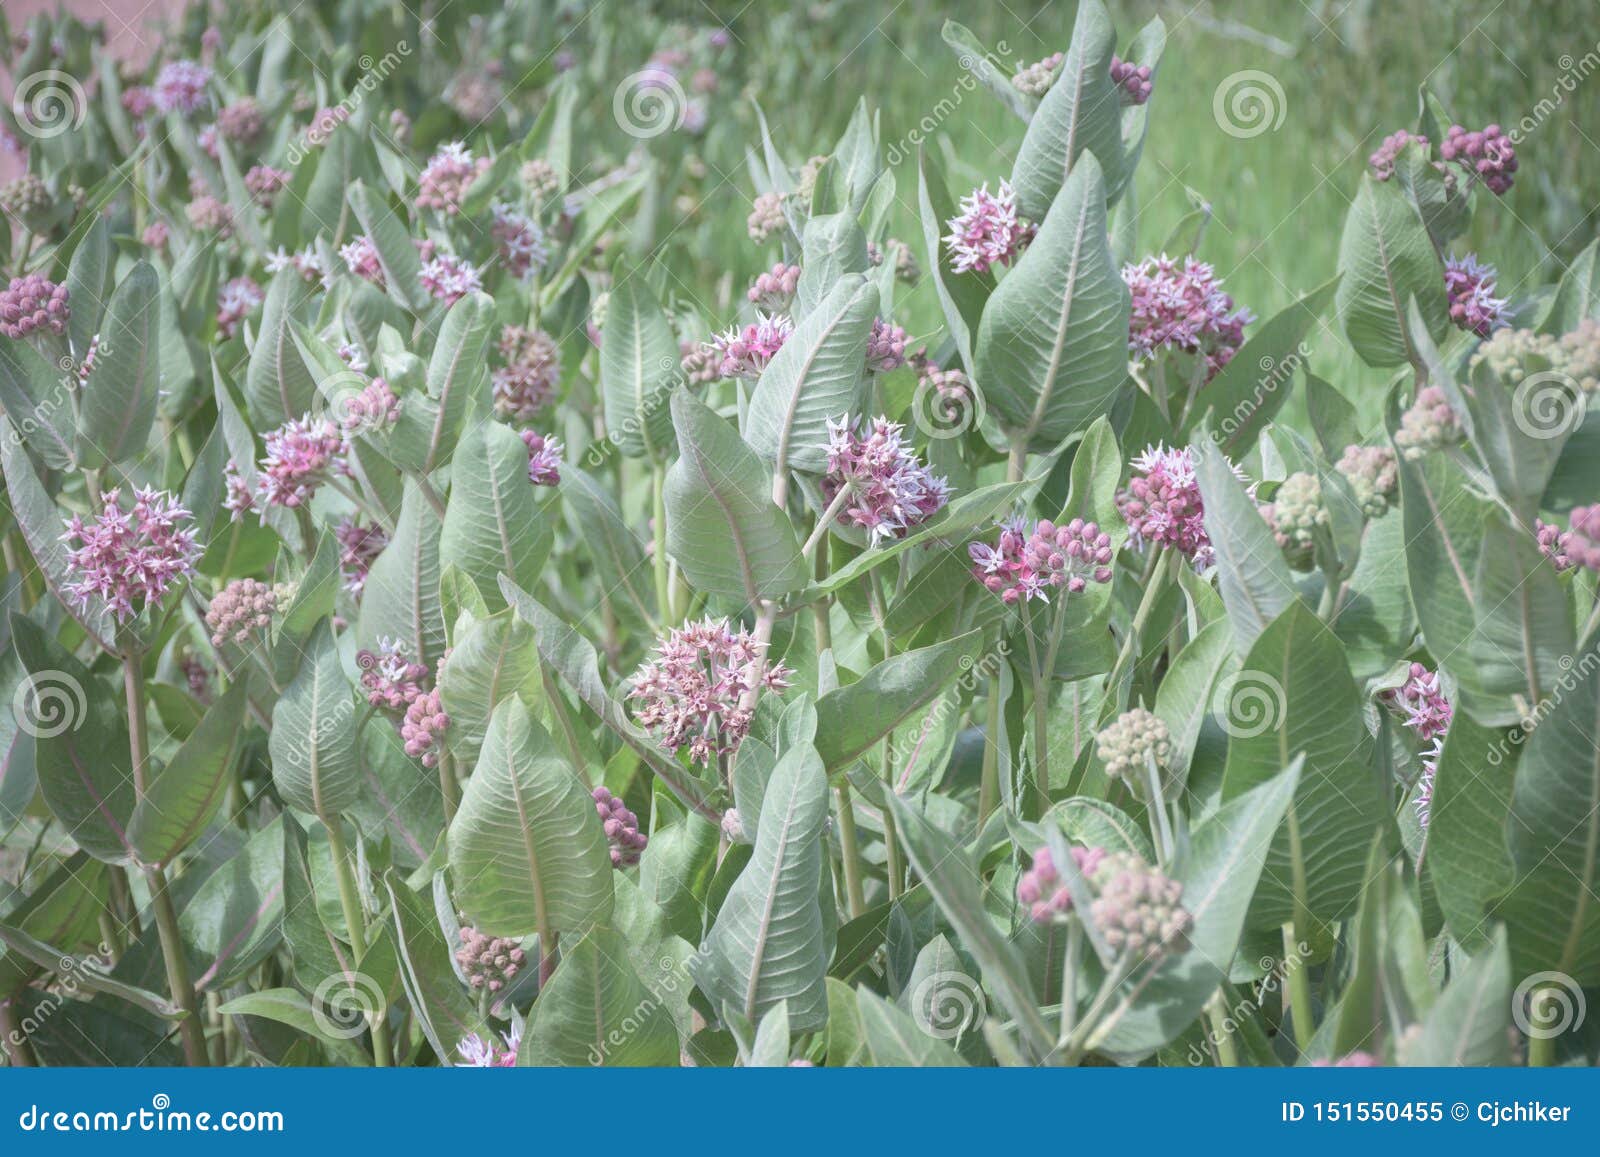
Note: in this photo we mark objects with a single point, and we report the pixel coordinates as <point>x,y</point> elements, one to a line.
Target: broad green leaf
<point>894,1039</point>
<point>397,254</point>
<point>400,799</point>
<point>234,920</point>
<point>90,976</point>
<point>118,404</point>
<point>766,946</point>
<point>314,741</point>
<point>973,58</point>
<point>596,1011</point>
<point>1466,853</point>
<point>88,286</point>
<point>526,849</point>
<point>1255,581</point>
<point>1577,296</point>
<point>445,1011</point>
<point>185,794</point>
<point>456,370</point>
<point>961,295</point>
<point>37,397</point>
<point>495,524</point>
<point>832,247</point>
<point>401,596</point>
<point>814,379</point>
<point>60,909</point>
<point>638,369</point>
<point>1376,620</point>
<point>291,1007</point>
<point>1385,259</point>
<point>722,525</point>
<point>317,953</point>
<point>1470,1023</point>
<point>1052,348</point>
<point>491,661</point>
<point>1444,520</point>
<point>854,717</point>
<point>277,381</point>
<point>612,544</point>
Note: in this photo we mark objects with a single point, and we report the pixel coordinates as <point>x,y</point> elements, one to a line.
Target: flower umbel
<point>891,491</point>
<point>124,561</point>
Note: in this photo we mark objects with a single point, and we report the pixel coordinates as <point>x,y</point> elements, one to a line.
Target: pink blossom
<point>301,456</point>
<point>1133,79</point>
<point>265,183</point>
<point>544,458</point>
<point>1583,540</point>
<point>886,347</point>
<point>306,264</point>
<point>773,291</point>
<point>1042,888</point>
<point>746,352</point>
<point>987,231</point>
<point>1161,504</point>
<point>621,828</point>
<point>493,1053</point>
<point>1427,708</point>
<point>528,380</point>
<point>448,278</point>
<point>1469,286</point>
<point>521,241</point>
<point>374,408</point>
<point>1182,308</point>
<point>360,257</point>
<point>1027,562</point>
<point>181,86</point>
<point>1487,154</point>
<point>240,495</point>
<point>155,235</point>
<point>446,176</point>
<point>1381,162</point>
<point>240,609</point>
<point>890,490</point>
<point>1553,543</point>
<point>392,681</point>
<point>125,561</point>
<point>236,300</point>
<point>33,304</point>
<point>423,728</point>
<point>359,547</point>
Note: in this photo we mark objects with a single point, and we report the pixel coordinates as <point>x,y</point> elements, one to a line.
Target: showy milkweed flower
<point>448,278</point>
<point>392,680</point>
<point>124,561</point>
<point>544,458</point>
<point>527,381</point>
<point>241,609</point>
<point>264,183</point>
<point>1553,543</point>
<point>1486,153</point>
<point>1162,506</point>
<point>181,86</point>
<point>1469,288</point>
<point>1042,889</point>
<point>1035,79</point>
<point>489,962</point>
<point>766,217</point>
<point>423,728</point>
<point>1027,562</point>
<point>33,304</point>
<point>237,300</point>
<point>520,240</point>
<point>886,346</point>
<point>890,490</point>
<point>306,264</point>
<point>1583,540</point>
<point>374,408</point>
<point>1373,474</point>
<point>1134,80</point>
<point>1427,709</point>
<point>359,547</point>
<point>444,180</point>
<point>494,1052</point>
<point>987,231</point>
<point>360,256</point>
<point>746,351</point>
<point>691,693</point>
<point>1382,160</point>
<point>1428,424</point>
<point>1182,307</point>
<point>621,828</point>
<point>773,291</point>
<point>301,456</point>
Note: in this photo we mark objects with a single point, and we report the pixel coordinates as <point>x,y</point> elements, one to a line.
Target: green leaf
<point>1444,519</point>
<point>456,370</point>
<point>1470,1023</point>
<point>638,369</point>
<point>277,380</point>
<point>495,524</point>
<point>89,976</point>
<point>974,59</point>
<point>833,247</point>
<point>317,953</point>
<point>1052,349</point>
<point>612,544</point>
<point>402,268</point>
<point>1385,260</point>
<point>1577,296</point>
<point>961,295</point>
<point>526,849</point>
<point>722,526</point>
<point>1081,112</point>
<point>444,1010</point>
<point>596,1011</point>
<point>816,377</point>
<point>61,909</point>
<point>185,794</point>
<point>401,596</point>
<point>118,404</point>
<point>234,920</point>
<point>854,717</point>
<point>766,946</point>
<point>1466,854</point>
<point>1219,871</point>
<point>88,284</point>
<point>37,398</point>
<point>290,1007</point>
<point>314,741</point>
<point>1256,584</point>
<point>895,1041</point>
<point>1294,696</point>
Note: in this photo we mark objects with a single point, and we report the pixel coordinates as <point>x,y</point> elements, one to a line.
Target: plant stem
<point>1153,586</point>
<point>850,850</point>
<point>1160,826</point>
<point>658,560</point>
<point>826,520</point>
<point>190,1028</point>
<point>431,495</point>
<point>449,789</point>
<point>1227,1051</point>
<point>1299,984</point>
<point>18,1051</point>
<point>989,785</point>
<point>1041,716</point>
<point>355,920</point>
<point>1069,982</point>
<point>891,840</point>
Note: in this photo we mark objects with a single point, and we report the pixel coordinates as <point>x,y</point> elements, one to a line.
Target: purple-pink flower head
<point>1133,79</point>
<point>301,456</point>
<point>449,278</point>
<point>445,178</point>
<point>489,962</point>
<point>124,561</point>
<point>375,408</point>
<point>239,495</point>
<point>1487,154</point>
<point>621,828</point>
<point>493,1052</point>
<point>1161,504</point>
<point>241,609</point>
<point>181,86</point>
<point>359,547</point>
<point>392,680</point>
<point>773,291</point>
<point>1026,563</point>
<point>1583,540</point>
<point>1553,543</point>
<point>745,352</point>
<point>886,347</point>
<point>520,241</point>
<point>360,257</point>
<point>33,304</point>
<point>264,183</point>
<point>890,490</point>
<point>544,458</point>
<point>423,728</point>
<point>1182,307</point>
<point>1043,890</point>
<point>1469,287</point>
<point>691,693</point>
<point>524,385</point>
<point>1427,709</point>
<point>1381,162</point>
<point>987,231</point>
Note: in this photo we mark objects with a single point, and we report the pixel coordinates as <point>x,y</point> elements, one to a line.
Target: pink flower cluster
<point>264,183</point>
<point>424,726</point>
<point>1182,307</point>
<point>1583,540</point>
<point>391,679</point>
<point>532,371</point>
<point>1161,504</point>
<point>1026,563</point>
<point>449,278</point>
<point>886,347</point>
<point>520,240</point>
<point>1469,287</point>
<point>1487,153</point>
<point>1381,162</point>
<point>374,408</point>
<point>240,609</point>
<point>301,456</point>
<point>489,962</point>
<point>493,1053</point>
<point>773,291</point>
<point>127,560</point>
<point>891,491</point>
<point>181,86</point>
<point>1553,543</point>
<point>360,257</point>
<point>691,693</point>
<point>746,352</point>
<point>987,231</point>
<point>1427,708</point>
<point>621,828</point>
<point>445,178</point>
<point>359,547</point>
<point>1042,888</point>
<point>544,458</point>
<point>236,300</point>
<point>32,304</point>
<point>1133,79</point>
